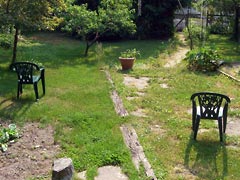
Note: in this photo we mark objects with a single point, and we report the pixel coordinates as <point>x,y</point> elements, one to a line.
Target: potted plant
<point>127,58</point>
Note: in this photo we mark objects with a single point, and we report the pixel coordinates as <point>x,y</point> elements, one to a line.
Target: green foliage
<point>130,53</point>
<point>30,14</point>
<point>202,59</point>
<point>156,19</point>
<point>7,135</point>
<point>220,28</point>
<point>79,19</point>
<point>91,24</point>
<point>110,17</point>
<point>6,41</point>
<point>227,22</point>
<point>198,34</point>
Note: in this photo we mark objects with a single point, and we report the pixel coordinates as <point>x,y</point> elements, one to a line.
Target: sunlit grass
<point>171,145</point>
<point>77,103</point>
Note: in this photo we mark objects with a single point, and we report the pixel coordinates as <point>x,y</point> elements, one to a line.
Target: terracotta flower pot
<point>127,63</point>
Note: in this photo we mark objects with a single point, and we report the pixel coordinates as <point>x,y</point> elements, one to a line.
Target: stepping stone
<point>139,83</point>
<point>62,169</point>
<point>139,113</point>
<point>110,173</point>
<point>233,126</point>
<point>164,86</point>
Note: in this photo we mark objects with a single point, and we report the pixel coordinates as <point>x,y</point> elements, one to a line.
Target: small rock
<point>62,169</point>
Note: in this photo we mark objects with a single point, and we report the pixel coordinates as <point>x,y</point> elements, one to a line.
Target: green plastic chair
<point>29,73</point>
<point>213,106</point>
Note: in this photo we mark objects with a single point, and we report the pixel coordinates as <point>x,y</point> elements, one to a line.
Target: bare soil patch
<point>176,58</point>
<point>31,155</point>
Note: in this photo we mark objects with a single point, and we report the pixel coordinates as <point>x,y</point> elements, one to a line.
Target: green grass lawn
<point>77,103</point>
<point>172,147</point>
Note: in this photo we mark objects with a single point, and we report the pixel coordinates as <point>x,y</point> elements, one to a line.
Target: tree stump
<point>62,169</point>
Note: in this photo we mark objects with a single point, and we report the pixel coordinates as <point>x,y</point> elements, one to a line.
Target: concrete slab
<point>110,173</point>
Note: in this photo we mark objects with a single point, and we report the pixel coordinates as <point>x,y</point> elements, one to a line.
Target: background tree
<point>91,4</point>
<point>113,16</point>
<point>156,18</point>
<point>228,9</point>
<point>24,15</point>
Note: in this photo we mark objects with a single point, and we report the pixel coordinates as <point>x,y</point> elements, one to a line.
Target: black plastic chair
<point>207,105</point>
<point>29,73</point>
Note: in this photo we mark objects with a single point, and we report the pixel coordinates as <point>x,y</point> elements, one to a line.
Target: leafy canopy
<point>28,14</point>
<point>111,16</point>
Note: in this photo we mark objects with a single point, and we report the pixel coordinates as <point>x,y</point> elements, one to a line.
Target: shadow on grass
<point>8,81</point>
<point>206,159</point>
<point>14,109</point>
<point>10,107</point>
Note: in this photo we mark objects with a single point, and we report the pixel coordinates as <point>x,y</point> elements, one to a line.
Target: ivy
<point>8,135</point>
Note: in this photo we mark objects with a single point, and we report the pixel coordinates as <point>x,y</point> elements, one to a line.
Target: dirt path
<point>177,57</point>
<point>30,156</point>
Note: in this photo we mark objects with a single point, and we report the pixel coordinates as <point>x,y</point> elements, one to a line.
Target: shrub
<point>220,28</point>
<point>203,59</point>
<point>5,41</point>
<point>198,34</point>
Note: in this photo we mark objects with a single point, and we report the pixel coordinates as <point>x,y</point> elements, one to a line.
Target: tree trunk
<point>139,7</point>
<point>15,45</point>
<point>189,32</point>
<point>187,24</point>
<point>7,6</point>
<point>90,43</point>
<point>236,22</point>
<point>87,48</point>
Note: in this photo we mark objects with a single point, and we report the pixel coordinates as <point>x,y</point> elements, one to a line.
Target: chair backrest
<point>210,103</point>
<point>25,71</point>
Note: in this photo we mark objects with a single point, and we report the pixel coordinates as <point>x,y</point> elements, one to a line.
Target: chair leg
<point>36,90</point>
<point>43,80</point>
<point>19,91</point>
<point>193,122</point>
<point>220,122</point>
<point>224,124</point>
<point>43,85</point>
<point>196,127</point>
